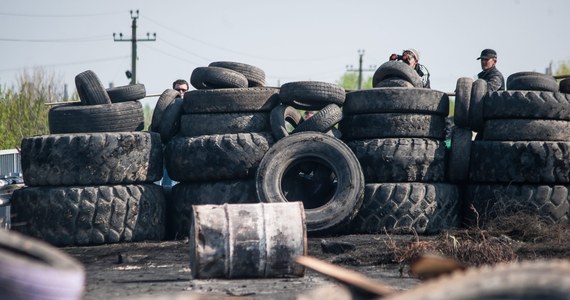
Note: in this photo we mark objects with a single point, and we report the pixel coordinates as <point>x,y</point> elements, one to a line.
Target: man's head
<point>488,59</point>
<point>308,114</point>
<point>181,86</point>
<point>411,57</point>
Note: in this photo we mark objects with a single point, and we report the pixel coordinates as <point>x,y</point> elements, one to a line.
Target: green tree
<point>563,68</point>
<point>349,81</point>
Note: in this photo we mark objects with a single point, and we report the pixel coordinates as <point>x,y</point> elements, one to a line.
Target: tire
<point>459,156</point>
<point>231,100</point>
<point>565,86</point>
<point>163,102</point>
<point>255,76</point>
<point>392,125</point>
<point>485,202</point>
<point>224,123</point>
<point>170,123</point>
<point>115,117</point>
<point>186,194</point>
<point>90,89</point>
<point>397,100</point>
<point>125,93</point>
<point>529,81</point>
<point>322,121</point>
<point>526,130</point>
<point>520,162</point>
<point>217,78</point>
<point>478,94</point>
<point>90,215</point>
<point>524,280</point>
<point>394,82</point>
<point>400,159</point>
<point>527,105</point>
<point>311,95</point>
<point>329,156</point>
<point>462,102</point>
<point>282,118</point>
<point>391,69</point>
<point>422,208</point>
<point>216,157</point>
<point>31,269</point>
<point>91,159</point>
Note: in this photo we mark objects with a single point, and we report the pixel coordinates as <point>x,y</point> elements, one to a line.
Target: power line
<point>62,40</point>
<point>171,55</point>
<point>58,16</point>
<point>70,63</point>
<point>360,70</point>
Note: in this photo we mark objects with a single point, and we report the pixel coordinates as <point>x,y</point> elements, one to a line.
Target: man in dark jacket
<point>490,74</point>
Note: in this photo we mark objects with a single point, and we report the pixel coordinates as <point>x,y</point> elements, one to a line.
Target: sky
<point>293,40</point>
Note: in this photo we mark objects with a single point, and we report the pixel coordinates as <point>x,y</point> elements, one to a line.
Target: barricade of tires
<point>91,180</point>
<point>520,159</point>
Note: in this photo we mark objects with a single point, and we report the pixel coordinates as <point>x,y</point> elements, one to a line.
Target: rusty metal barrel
<point>258,240</point>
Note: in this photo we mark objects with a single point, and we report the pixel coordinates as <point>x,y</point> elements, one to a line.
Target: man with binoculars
<point>411,57</point>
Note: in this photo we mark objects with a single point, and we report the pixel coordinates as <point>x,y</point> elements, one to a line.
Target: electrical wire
<point>171,55</point>
<point>62,40</point>
<point>58,16</point>
<point>71,63</point>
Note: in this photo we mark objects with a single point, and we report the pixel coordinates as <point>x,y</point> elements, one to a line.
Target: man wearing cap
<point>490,74</point>
<point>412,57</point>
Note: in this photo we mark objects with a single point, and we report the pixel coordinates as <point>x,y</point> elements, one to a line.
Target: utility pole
<point>360,70</point>
<point>132,74</point>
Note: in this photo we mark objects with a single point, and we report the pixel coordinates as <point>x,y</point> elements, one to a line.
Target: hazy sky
<point>290,40</point>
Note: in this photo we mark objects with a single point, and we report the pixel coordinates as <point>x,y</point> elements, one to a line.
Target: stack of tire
<point>224,133</point>
<point>520,160</point>
<point>397,133</point>
<point>91,180</point>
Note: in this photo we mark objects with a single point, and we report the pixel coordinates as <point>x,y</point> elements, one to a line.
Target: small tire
<point>531,81</point>
<point>170,123</point>
<point>459,156</point>
<point>90,89</point>
<point>462,102</point>
<point>256,99</point>
<point>125,93</point>
<point>322,121</point>
<point>391,69</point>
<point>311,95</point>
<point>255,76</point>
<point>163,102</point>
<point>478,95</point>
<point>217,78</point>
<point>282,119</point>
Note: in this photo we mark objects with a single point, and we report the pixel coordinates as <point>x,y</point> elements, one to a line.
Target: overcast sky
<point>290,40</point>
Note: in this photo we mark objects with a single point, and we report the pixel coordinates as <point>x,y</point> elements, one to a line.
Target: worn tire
<point>564,86</point>
<point>397,69</point>
<point>32,269</point>
<point>115,117</point>
<point>531,81</point>
<point>397,100</point>
<point>125,93</point>
<point>91,158</point>
<point>526,130</point>
<point>392,125</point>
<point>163,102</point>
<point>459,156</point>
<point>322,121</point>
<point>394,82</point>
<point>295,150</point>
<point>311,95</point>
<point>485,202</point>
<point>520,162</point>
<point>255,76</point>
<point>255,99</point>
<point>224,123</point>
<point>527,105</point>
<point>414,207</point>
<point>282,118</point>
<point>170,123</point>
<point>462,102</point>
<point>90,215</point>
<point>216,157</point>
<point>90,89</point>
<point>479,91</point>
<point>400,159</point>
<point>217,78</point>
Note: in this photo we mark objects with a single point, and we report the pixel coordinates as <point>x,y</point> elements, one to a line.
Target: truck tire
<point>462,102</point>
<point>531,81</point>
<point>397,100</point>
<point>526,130</point>
<point>460,155</point>
<point>257,99</point>
<point>479,91</point>
<point>527,105</point>
<point>392,125</point>
<point>224,123</point>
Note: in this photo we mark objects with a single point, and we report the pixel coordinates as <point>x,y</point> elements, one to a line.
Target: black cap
<point>488,53</point>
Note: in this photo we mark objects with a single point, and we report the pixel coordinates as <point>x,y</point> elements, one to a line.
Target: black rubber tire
<point>311,95</point>
<point>485,202</point>
<point>479,92</point>
<point>400,159</point>
<point>526,130</point>
<point>91,158</point>
<point>527,105</point>
<point>186,194</point>
<point>217,78</point>
<point>462,102</point>
<point>323,120</point>
<point>90,215</point>
<point>529,81</point>
<point>392,125</point>
<point>282,117</point>
<point>170,123</point>
<point>125,93</point>
<point>216,157</point>
<point>255,76</point>
<point>414,207</point>
<point>163,102</point>
<point>223,123</point>
<point>564,86</point>
<point>90,89</point>
<point>391,69</point>
<point>32,269</point>
<point>394,82</point>
<point>397,100</point>
<point>459,155</point>
<point>520,162</point>
<point>115,117</point>
<point>525,280</point>
<point>332,213</point>
<point>256,99</point>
